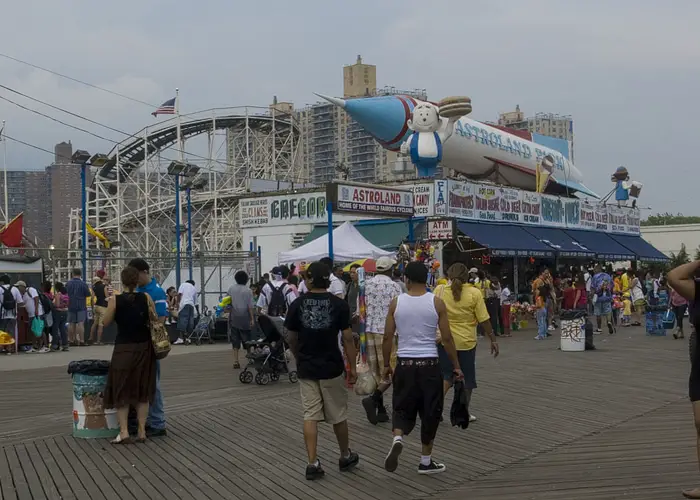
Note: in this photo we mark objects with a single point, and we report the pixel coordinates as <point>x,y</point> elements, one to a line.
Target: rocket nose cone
<point>384,117</point>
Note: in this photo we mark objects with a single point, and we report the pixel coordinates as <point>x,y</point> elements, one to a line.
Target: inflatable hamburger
<point>455,107</point>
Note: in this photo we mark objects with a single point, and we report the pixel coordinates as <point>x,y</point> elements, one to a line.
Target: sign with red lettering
<point>442,229</point>
<point>370,199</point>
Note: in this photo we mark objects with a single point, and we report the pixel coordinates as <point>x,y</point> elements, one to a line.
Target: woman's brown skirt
<point>132,375</point>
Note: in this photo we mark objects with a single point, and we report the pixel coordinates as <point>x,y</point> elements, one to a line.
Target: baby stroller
<point>203,329</point>
<point>267,356</point>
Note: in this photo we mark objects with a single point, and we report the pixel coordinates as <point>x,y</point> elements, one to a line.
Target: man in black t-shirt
<point>313,322</point>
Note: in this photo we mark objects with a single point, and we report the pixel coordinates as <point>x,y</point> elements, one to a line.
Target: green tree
<point>697,254</point>
<point>669,218</point>
<point>680,258</point>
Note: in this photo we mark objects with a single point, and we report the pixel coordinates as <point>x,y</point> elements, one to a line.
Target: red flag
<point>11,234</point>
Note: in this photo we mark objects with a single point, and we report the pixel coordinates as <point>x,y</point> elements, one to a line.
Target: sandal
<point>120,440</point>
<point>236,366</point>
<point>141,439</point>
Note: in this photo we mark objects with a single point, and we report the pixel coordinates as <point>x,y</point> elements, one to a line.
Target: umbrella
<point>370,265</point>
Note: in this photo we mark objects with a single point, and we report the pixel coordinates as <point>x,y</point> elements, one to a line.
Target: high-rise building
<point>26,193</point>
<point>359,79</point>
<point>46,197</point>
<point>63,185</point>
<point>549,124</point>
<point>338,147</point>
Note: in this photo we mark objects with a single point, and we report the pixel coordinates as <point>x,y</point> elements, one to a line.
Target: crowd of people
<point>418,342</point>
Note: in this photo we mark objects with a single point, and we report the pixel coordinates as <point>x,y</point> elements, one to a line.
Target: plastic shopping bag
<point>365,384</point>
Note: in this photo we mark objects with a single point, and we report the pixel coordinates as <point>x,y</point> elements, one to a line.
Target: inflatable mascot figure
<point>431,130</point>
<point>625,188</point>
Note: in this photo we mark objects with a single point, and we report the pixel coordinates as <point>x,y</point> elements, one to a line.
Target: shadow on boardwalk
<point>608,424</point>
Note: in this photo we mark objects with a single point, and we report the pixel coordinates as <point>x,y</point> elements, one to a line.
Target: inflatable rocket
<point>477,150</point>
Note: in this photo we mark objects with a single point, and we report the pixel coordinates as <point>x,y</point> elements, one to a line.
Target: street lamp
<point>82,157</point>
<point>181,169</point>
<point>189,184</point>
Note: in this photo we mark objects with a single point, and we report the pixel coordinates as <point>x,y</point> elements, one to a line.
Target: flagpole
<point>177,117</point>
<point>4,169</point>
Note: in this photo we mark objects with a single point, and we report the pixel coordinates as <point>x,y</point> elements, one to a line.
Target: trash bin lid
<point>89,367</point>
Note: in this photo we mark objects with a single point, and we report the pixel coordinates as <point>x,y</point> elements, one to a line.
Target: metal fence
<point>212,272</point>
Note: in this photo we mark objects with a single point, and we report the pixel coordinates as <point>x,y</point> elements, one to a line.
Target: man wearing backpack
<point>276,295</point>
<point>11,298</point>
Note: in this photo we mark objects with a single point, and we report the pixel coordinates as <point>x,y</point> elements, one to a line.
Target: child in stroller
<point>267,356</point>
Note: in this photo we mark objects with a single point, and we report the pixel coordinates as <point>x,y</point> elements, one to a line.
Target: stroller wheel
<point>246,377</point>
<point>258,378</point>
<point>264,379</point>
<point>274,376</point>
<point>293,378</point>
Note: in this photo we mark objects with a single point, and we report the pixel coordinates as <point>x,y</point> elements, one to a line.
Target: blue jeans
<point>156,412</point>
<point>58,330</point>
<point>542,322</point>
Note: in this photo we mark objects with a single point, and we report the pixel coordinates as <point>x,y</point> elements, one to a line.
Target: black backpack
<point>8,300</point>
<point>278,300</point>
<point>45,303</point>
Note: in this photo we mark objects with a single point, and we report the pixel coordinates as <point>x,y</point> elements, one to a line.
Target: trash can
<point>655,320</point>
<point>573,330</point>
<point>90,419</point>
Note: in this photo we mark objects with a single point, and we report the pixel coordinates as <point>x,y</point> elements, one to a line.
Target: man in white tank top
<point>417,379</point>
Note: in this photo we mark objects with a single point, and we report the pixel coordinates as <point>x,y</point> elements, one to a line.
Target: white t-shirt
<point>18,299</point>
<point>505,295</point>
<point>337,287</point>
<point>587,279</point>
<point>29,295</point>
<point>266,294</point>
<point>189,295</point>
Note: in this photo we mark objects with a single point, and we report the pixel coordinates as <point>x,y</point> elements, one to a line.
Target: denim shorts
<point>467,363</point>
<point>602,308</point>
<point>185,319</point>
<point>77,317</point>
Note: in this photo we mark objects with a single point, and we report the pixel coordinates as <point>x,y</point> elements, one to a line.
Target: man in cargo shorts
<point>379,292</point>
<point>312,322</point>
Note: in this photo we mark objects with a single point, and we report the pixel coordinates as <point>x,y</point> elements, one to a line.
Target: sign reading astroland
<point>370,199</point>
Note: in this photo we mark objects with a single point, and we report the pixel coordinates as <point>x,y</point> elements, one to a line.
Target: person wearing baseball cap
<point>379,292</point>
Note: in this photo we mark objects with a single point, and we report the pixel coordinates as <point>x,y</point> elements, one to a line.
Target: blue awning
<point>642,249</point>
<point>602,244</point>
<point>563,244</point>
<point>505,240</point>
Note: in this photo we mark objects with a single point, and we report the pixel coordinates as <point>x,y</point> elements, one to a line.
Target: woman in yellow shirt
<point>465,310</point>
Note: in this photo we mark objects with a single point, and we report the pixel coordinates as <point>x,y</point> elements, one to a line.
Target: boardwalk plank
<point>7,487</point>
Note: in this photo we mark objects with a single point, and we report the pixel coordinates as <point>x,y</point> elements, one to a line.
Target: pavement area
<point>614,423</point>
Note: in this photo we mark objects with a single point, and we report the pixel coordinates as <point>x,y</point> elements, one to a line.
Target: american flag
<point>167,108</point>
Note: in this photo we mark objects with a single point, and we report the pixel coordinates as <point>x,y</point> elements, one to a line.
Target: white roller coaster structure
<point>132,198</point>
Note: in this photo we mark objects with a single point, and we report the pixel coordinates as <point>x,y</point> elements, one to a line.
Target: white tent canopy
<point>348,245</point>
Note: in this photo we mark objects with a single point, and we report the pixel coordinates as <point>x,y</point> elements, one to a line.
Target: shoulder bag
<point>159,335</point>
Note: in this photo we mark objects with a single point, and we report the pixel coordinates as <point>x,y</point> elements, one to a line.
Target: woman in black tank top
<point>683,279</point>
<point>131,381</point>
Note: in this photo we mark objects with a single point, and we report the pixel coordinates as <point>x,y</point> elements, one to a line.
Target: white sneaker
<point>179,342</point>
<point>391,462</point>
<point>44,350</point>
<point>551,328</point>
<point>472,417</point>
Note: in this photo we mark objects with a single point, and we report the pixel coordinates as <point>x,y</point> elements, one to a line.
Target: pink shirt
<point>677,299</point>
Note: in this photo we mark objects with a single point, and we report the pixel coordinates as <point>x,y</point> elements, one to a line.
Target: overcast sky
<point>628,71</point>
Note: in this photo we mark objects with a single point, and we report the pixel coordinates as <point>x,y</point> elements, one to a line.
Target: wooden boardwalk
<point>614,423</point>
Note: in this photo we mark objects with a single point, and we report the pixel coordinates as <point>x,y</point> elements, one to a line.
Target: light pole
<point>189,184</point>
<point>82,158</point>
<point>178,169</point>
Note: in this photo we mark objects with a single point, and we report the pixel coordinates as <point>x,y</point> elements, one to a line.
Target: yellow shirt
<point>464,315</point>
<point>483,286</point>
<point>625,280</point>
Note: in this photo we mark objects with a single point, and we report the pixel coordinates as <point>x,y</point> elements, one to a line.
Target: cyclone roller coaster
<point>132,198</point>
